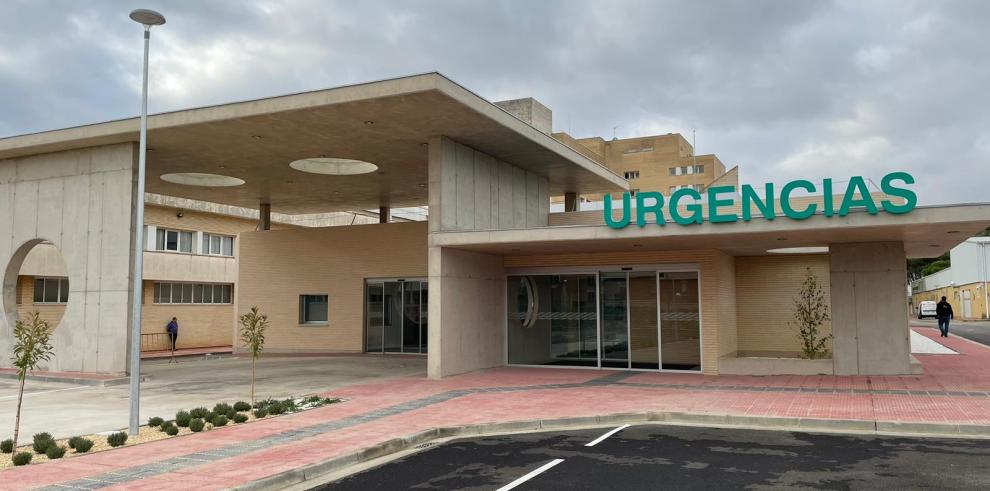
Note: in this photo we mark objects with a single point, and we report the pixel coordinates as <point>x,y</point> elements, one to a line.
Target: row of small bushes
<point>194,419</point>
<point>44,444</point>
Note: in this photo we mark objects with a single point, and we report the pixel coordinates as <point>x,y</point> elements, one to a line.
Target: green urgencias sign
<point>722,201</point>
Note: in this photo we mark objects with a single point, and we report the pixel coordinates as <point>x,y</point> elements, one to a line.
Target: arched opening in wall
<point>36,280</point>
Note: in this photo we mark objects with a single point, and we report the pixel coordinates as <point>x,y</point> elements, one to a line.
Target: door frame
<point>364,314</point>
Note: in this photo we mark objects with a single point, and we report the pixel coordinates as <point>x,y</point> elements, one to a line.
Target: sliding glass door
<point>635,319</point>
<point>396,316</point>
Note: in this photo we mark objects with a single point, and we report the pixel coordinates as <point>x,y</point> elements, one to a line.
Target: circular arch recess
<point>36,279</point>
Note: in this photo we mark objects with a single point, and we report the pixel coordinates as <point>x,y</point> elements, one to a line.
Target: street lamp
<point>147,18</point>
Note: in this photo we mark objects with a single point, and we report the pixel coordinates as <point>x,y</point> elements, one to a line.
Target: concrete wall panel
<point>80,201</point>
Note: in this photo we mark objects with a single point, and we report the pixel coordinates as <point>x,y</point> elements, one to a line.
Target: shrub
<point>155,421</point>
<point>230,414</point>
<point>7,446</point>
<point>172,430</point>
<point>242,406</point>
<point>290,405</point>
<point>276,408</point>
<point>72,441</point>
<point>219,421</point>
<point>811,311</point>
<point>260,412</point>
<point>313,399</point>
<point>210,416</point>
<point>22,458</point>
<point>55,452</point>
<point>83,445</point>
<point>41,442</point>
<point>196,425</point>
<point>117,439</point>
<point>199,412</point>
<point>182,418</point>
<point>240,418</point>
<point>222,408</point>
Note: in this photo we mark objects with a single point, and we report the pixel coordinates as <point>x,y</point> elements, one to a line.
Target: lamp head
<point>147,17</point>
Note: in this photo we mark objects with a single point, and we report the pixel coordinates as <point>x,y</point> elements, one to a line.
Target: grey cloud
<point>784,89</point>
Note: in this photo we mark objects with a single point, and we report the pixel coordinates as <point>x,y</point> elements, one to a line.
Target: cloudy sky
<point>783,89</point>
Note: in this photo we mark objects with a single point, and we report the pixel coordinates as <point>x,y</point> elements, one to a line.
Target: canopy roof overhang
<point>926,232</point>
<point>386,123</point>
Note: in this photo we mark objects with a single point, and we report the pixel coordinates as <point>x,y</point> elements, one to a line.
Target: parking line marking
<point>598,440</point>
<point>532,474</point>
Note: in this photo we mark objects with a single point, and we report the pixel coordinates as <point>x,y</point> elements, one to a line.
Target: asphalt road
<point>978,331</point>
<point>677,457</point>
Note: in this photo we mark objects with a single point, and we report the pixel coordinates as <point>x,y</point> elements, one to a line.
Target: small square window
<point>313,309</point>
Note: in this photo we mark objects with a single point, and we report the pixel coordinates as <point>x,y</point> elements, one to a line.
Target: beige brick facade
<point>276,267</point>
<point>765,289</point>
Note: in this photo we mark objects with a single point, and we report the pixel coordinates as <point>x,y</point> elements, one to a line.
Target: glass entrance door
<point>680,321</point>
<point>396,316</point>
<point>615,320</point>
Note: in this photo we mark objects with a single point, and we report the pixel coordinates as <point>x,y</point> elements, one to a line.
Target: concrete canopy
<point>926,232</point>
<point>386,123</point>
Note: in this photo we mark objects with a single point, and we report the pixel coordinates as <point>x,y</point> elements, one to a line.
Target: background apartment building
<point>663,163</point>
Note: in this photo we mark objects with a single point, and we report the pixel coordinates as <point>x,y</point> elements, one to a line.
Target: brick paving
<point>953,389</point>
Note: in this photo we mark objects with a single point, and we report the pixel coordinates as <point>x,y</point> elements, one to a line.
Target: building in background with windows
<point>964,283</point>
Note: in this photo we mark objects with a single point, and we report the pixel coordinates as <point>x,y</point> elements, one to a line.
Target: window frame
<point>162,242</point>
<point>303,321</point>
<point>222,241</point>
<point>61,290</point>
<point>224,292</point>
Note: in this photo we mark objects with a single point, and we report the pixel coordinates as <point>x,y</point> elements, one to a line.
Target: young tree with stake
<point>32,346</point>
<point>253,325</point>
<point>810,313</point>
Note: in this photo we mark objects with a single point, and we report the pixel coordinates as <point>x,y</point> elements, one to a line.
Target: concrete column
<point>570,202</point>
<point>265,217</point>
<point>384,214</point>
<point>466,312</point>
<point>869,320</point>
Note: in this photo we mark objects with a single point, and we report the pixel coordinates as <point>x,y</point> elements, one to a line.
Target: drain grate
<point>425,445</point>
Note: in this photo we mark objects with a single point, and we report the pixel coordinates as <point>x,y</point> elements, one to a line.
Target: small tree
<point>810,313</point>
<point>32,346</point>
<point>253,327</point>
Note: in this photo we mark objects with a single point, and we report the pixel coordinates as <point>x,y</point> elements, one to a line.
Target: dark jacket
<point>173,327</point>
<point>943,309</point>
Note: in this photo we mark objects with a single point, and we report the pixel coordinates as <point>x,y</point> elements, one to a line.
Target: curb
<point>110,382</point>
<point>888,428</point>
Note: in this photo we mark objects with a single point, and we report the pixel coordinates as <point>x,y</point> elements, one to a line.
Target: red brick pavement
<point>641,392</point>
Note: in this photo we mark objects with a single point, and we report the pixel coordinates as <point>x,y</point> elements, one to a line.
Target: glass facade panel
<point>410,317</point>
<point>392,316</point>
<point>615,320</point>
<point>644,352</point>
<point>396,316</point>
<point>680,321</point>
<point>552,320</point>
<point>374,319</point>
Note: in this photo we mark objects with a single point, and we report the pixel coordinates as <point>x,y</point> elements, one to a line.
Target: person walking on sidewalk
<point>944,312</point>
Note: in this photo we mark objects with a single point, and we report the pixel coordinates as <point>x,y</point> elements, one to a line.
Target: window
<point>192,293</point>
<point>696,187</point>
<point>51,290</point>
<point>313,309</point>
<point>631,174</point>
<point>687,169</point>
<point>173,240</point>
<point>218,245</point>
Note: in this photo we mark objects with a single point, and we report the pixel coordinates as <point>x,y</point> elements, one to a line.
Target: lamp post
<point>147,18</point>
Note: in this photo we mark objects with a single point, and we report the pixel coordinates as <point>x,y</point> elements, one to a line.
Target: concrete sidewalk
<point>952,397</point>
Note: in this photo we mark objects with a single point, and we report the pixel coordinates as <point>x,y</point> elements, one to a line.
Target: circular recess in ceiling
<point>203,180</point>
<point>333,166</point>
<point>799,250</point>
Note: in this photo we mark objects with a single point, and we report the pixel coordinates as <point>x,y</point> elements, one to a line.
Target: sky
<point>783,89</point>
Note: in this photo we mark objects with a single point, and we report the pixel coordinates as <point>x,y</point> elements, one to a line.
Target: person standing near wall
<point>943,310</point>
<point>173,330</point>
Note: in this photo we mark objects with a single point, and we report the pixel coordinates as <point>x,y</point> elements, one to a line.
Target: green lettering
<point>609,220</point>
<point>910,199</point>
<point>695,208</point>
<point>714,203</point>
<point>856,183</point>
<point>785,200</point>
<point>642,208</point>
<point>828,207</point>
<point>749,197</point>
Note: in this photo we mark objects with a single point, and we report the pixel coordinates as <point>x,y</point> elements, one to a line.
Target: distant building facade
<point>964,283</point>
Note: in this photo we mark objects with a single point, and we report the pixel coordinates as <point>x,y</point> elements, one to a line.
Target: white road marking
<point>531,475</point>
<point>598,440</point>
<point>33,394</point>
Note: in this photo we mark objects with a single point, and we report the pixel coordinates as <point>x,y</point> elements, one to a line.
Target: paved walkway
<point>954,389</point>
